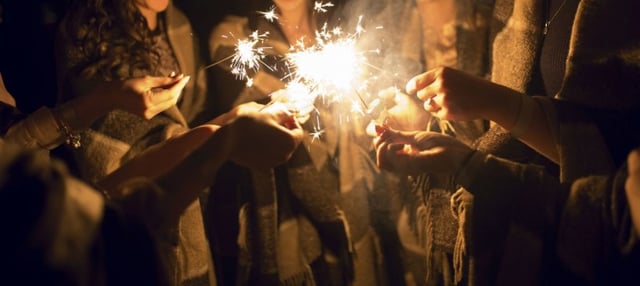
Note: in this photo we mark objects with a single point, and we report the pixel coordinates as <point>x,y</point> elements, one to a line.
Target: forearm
<point>157,160</point>
<point>185,182</point>
<point>83,111</point>
<point>527,118</point>
<point>45,127</point>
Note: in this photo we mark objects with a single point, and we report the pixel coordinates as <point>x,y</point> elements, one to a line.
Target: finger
<point>157,108</point>
<point>380,129</point>
<point>420,81</point>
<point>393,158</point>
<point>633,161</point>
<point>178,86</point>
<point>431,106</point>
<point>380,154</point>
<point>162,96</point>
<point>161,81</point>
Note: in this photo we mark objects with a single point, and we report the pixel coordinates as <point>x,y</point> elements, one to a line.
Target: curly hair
<point>108,39</point>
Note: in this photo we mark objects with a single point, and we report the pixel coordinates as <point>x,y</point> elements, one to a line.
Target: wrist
<point>65,118</point>
<point>505,107</point>
<point>222,145</point>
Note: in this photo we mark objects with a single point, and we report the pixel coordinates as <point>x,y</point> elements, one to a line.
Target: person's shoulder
<point>175,16</point>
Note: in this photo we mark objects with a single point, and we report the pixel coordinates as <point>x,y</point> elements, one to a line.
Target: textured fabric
<point>514,223</point>
<point>457,38</point>
<point>68,234</point>
<point>120,136</point>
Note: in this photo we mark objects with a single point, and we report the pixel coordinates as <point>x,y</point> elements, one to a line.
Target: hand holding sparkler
<point>454,95</point>
<point>399,111</point>
<point>273,129</point>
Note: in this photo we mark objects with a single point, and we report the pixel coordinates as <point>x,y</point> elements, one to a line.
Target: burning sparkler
<point>247,57</point>
<point>333,69</point>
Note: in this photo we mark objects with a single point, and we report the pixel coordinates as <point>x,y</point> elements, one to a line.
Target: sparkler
<point>247,57</point>
<point>333,68</point>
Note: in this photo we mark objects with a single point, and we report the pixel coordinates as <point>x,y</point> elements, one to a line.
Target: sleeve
<point>596,238</point>
<point>524,193</point>
<point>38,130</point>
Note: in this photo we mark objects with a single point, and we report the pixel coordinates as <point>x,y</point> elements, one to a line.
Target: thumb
<point>420,81</point>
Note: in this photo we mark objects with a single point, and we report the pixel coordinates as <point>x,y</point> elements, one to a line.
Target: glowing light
<point>332,69</point>
<point>329,67</point>
<point>322,7</point>
<point>270,15</point>
<point>315,135</point>
<point>247,56</point>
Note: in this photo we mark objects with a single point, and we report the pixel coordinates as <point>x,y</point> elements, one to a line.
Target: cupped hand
<point>402,112</point>
<point>415,152</point>
<point>145,96</point>
<point>455,95</point>
<point>265,138</point>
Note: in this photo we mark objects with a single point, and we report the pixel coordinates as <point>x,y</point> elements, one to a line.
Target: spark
<point>270,15</point>
<point>333,70</point>
<point>315,135</point>
<point>322,7</point>
<point>247,56</point>
<point>359,28</point>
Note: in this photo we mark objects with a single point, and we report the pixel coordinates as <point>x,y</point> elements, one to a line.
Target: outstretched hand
<point>401,112</point>
<point>264,138</point>
<point>144,96</point>
<point>414,152</point>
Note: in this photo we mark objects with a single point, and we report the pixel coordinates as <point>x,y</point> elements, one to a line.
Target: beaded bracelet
<point>70,138</point>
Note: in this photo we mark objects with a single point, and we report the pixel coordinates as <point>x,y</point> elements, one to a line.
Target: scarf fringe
<point>303,278</point>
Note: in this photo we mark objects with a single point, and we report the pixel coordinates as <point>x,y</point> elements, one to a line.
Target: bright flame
<point>330,67</point>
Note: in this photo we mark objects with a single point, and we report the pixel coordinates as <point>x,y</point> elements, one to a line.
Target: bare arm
<point>455,95</point>
<point>185,165</point>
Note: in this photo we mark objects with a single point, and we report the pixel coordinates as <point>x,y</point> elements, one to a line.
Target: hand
<point>5,96</point>
<point>264,139</point>
<point>145,96</point>
<point>414,152</point>
<point>402,112</point>
<point>455,95</point>
<point>242,109</point>
<point>632,187</point>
